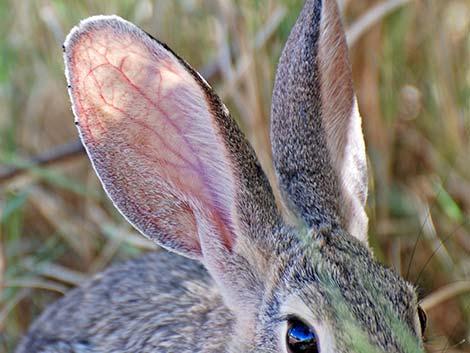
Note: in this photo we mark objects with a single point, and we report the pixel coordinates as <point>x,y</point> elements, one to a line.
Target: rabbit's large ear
<point>165,148</point>
<point>318,147</point>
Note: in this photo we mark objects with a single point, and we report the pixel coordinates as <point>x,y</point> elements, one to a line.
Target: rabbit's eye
<point>301,338</point>
<point>423,319</point>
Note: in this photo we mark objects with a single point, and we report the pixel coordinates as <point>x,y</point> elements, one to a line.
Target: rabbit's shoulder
<point>149,304</point>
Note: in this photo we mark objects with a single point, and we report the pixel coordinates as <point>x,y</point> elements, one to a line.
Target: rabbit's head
<point>178,168</point>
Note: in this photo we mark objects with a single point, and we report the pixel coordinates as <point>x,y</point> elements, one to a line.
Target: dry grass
<point>412,76</point>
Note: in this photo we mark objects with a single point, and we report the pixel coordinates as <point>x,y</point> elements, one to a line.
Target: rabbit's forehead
<point>340,285</point>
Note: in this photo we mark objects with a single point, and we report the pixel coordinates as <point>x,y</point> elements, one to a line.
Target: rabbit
<point>241,276</point>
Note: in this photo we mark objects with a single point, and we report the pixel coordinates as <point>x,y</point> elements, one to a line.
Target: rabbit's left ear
<point>318,147</point>
<point>164,146</point>
<point>168,153</point>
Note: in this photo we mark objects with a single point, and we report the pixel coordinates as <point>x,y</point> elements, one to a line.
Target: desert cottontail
<point>178,168</point>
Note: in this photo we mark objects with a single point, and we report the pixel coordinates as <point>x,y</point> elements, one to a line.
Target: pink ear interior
<point>150,133</point>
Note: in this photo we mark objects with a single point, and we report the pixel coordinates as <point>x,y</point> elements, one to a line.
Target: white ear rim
<point>354,181</point>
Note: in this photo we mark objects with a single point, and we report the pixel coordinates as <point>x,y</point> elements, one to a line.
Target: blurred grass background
<point>412,76</point>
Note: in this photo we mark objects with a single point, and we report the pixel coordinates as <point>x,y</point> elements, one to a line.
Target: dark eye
<point>301,338</point>
<point>423,319</point>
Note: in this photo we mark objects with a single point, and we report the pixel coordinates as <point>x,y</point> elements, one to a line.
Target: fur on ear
<point>318,146</point>
<point>166,150</point>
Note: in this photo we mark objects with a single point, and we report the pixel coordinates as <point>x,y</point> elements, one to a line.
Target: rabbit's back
<point>159,302</point>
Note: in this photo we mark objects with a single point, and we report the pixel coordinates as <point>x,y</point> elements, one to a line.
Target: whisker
<point>421,230</point>
<point>442,242</point>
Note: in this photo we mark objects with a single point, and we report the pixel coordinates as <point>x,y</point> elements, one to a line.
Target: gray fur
<point>137,306</point>
<point>297,126</point>
<point>324,178</point>
<point>257,271</point>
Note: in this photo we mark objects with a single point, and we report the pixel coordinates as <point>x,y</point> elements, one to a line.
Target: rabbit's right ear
<point>318,147</point>
<point>163,145</point>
